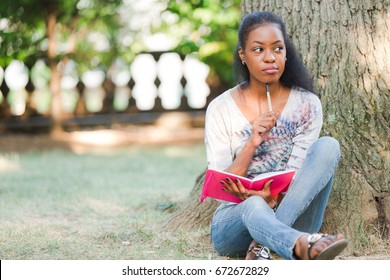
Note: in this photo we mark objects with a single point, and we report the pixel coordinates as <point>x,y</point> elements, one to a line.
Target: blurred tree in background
<point>58,31</point>
<point>207,28</point>
<point>82,30</point>
<point>94,34</point>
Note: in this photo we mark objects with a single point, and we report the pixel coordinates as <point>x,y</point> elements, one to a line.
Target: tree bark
<point>56,104</point>
<point>193,214</point>
<point>345,46</point>
<point>55,78</point>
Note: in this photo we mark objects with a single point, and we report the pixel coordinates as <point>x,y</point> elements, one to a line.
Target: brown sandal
<point>257,251</point>
<point>330,252</point>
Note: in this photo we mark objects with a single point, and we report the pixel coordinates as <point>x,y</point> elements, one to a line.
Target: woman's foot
<point>319,246</point>
<point>257,251</point>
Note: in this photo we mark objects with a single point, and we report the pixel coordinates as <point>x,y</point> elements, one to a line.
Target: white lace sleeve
<point>218,136</point>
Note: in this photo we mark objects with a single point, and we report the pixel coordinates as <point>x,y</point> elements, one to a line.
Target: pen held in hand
<point>269,99</point>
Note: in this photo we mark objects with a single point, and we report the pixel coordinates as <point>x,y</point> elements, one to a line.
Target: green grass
<point>61,205</point>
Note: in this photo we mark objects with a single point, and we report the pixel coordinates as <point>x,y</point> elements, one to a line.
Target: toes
<point>322,243</point>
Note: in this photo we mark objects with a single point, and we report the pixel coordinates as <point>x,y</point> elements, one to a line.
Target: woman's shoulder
<point>220,102</point>
<point>305,96</point>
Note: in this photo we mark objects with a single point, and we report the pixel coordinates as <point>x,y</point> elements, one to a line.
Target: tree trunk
<point>345,46</point>
<point>193,214</point>
<point>55,76</point>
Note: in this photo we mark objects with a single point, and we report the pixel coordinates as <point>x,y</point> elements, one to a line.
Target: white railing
<point>154,82</point>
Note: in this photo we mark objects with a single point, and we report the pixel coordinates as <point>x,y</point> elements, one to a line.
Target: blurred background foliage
<point>82,30</point>
<point>209,28</point>
<point>95,33</point>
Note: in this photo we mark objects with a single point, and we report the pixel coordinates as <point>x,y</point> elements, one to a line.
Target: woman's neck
<point>259,89</point>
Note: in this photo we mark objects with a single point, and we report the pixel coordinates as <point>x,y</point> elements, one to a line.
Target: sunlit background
<point>125,53</point>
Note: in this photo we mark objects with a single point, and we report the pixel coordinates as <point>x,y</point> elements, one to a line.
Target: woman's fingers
<point>266,194</point>
<point>241,188</point>
<point>264,125</point>
<point>230,186</point>
<point>266,191</point>
<point>266,117</point>
<point>267,186</point>
<point>266,120</point>
<point>261,127</point>
<point>235,188</point>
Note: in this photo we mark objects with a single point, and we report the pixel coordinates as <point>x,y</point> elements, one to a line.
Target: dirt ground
<point>89,141</point>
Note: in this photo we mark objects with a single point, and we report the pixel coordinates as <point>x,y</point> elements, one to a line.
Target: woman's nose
<point>269,56</point>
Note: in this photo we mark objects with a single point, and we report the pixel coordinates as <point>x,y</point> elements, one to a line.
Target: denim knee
<point>329,148</point>
<point>252,203</point>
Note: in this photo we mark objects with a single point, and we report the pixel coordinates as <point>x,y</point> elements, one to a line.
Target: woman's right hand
<point>237,189</point>
<point>261,127</point>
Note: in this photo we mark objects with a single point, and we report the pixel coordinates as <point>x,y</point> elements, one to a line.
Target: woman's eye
<point>278,48</point>
<point>258,49</point>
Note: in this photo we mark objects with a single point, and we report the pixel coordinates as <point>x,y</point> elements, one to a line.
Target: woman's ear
<point>241,54</point>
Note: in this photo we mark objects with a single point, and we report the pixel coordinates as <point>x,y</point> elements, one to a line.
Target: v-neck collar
<point>241,114</point>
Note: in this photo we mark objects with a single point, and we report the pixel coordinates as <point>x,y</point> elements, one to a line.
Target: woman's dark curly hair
<point>295,72</point>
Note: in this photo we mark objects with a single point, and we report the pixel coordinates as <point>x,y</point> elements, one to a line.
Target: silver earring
<point>243,62</point>
<point>285,59</point>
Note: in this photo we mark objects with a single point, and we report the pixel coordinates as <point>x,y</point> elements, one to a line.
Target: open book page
<point>213,188</point>
<point>270,174</point>
<point>281,181</point>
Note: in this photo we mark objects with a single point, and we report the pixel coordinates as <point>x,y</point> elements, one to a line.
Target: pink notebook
<point>212,186</point>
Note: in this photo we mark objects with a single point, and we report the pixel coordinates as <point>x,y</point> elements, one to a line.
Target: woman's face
<point>265,54</point>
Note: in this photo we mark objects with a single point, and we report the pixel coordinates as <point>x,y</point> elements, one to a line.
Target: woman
<point>245,137</point>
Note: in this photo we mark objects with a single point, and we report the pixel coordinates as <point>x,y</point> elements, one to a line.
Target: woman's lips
<point>270,70</point>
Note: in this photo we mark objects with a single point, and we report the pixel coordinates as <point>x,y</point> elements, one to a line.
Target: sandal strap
<point>261,252</point>
<point>313,238</point>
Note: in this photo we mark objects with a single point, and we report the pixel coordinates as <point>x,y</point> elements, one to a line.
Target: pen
<point>269,100</point>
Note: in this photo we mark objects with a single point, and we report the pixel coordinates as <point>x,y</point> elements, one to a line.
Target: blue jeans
<point>234,226</point>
